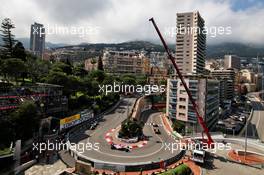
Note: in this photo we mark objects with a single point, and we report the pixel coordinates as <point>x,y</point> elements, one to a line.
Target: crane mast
<point>195,107</point>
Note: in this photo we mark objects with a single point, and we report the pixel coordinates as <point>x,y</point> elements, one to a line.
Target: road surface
<point>152,152</point>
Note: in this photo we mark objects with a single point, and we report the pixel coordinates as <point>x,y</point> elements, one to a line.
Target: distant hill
<point>244,50</point>
<point>26,43</point>
<point>132,45</point>
<point>212,51</point>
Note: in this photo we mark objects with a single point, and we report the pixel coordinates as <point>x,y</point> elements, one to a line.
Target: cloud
<point>123,20</point>
<point>69,11</point>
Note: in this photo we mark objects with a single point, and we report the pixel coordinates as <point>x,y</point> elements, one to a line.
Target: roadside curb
<point>166,124</point>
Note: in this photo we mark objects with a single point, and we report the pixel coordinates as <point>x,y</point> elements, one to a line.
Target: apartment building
<point>157,75</point>
<point>190,43</point>
<point>205,92</point>
<point>159,59</point>
<point>126,62</point>
<point>232,61</point>
<point>37,39</point>
<point>160,67</point>
<point>227,83</point>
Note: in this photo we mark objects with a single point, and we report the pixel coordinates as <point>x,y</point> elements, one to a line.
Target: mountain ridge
<point>212,50</point>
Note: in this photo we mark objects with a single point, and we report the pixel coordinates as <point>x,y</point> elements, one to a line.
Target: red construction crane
<point>195,107</point>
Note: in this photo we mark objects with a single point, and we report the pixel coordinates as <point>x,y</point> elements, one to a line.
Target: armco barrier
<point>128,167</point>
<point>84,124</point>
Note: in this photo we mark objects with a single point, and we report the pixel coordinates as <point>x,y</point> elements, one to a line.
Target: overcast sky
<point>125,20</point>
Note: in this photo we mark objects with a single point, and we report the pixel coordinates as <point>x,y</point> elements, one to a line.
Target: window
<point>182,99</point>
<point>181,115</point>
<point>182,91</point>
<point>182,107</point>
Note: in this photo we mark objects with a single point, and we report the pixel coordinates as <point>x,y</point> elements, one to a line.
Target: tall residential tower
<point>190,43</point>
<point>37,39</point>
<point>190,57</point>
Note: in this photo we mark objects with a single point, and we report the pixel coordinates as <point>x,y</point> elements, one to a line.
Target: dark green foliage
<point>178,126</point>
<point>37,69</point>
<point>13,67</point>
<point>7,37</point>
<point>131,128</point>
<point>128,79</point>
<point>19,51</point>
<point>141,80</point>
<point>7,132</point>
<point>180,170</point>
<point>62,67</point>
<point>97,75</point>
<point>100,64</point>
<point>25,120</point>
<point>70,83</point>
<point>79,70</point>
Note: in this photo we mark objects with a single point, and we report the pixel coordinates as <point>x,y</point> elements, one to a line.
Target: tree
<point>58,78</point>
<point>129,80</point>
<point>19,51</point>
<point>7,132</point>
<point>62,67</point>
<point>26,120</point>
<point>100,64</point>
<point>163,82</point>
<point>7,37</point>
<point>178,126</point>
<point>97,75</point>
<point>13,67</point>
<point>70,83</point>
<point>79,70</point>
<point>131,128</point>
<point>109,79</point>
<point>141,80</point>
<point>37,68</point>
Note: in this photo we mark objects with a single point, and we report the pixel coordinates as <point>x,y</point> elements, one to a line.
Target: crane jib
<point>199,118</point>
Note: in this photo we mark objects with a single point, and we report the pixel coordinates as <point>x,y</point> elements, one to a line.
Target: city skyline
<point>234,14</point>
<point>139,87</point>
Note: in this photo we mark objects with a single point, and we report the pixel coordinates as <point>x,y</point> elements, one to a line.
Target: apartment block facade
<point>232,61</point>
<point>37,39</point>
<point>205,92</point>
<point>126,62</point>
<point>190,43</point>
<point>227,83</point>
